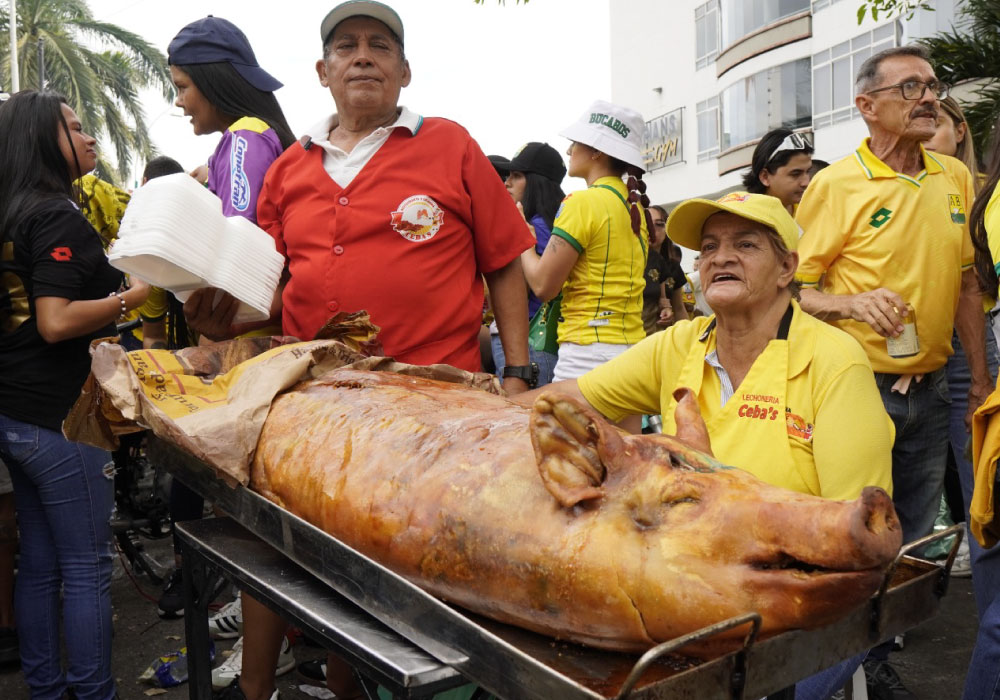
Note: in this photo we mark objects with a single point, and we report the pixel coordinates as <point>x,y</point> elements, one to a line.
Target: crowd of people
<point>838,332</point>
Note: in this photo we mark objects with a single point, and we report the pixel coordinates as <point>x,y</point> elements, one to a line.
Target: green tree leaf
<point>101,84</point>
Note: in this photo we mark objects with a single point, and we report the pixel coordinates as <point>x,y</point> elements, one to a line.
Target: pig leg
<point>568,440</point>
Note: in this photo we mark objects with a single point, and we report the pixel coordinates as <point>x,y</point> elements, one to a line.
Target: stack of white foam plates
<point>174,236</point>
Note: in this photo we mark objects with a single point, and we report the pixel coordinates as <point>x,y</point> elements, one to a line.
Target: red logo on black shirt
<point>62,253</point>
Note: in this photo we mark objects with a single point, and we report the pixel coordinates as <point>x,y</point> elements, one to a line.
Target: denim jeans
<point>546,361</point>
<point>64,494</point>
<point>920,452</point>
<point>982,681</point>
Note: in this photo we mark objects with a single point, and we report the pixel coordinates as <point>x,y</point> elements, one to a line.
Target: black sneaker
<point>171,603</point>
<point>313,671</point>
<point>883,682</point>
<point>234,692</point>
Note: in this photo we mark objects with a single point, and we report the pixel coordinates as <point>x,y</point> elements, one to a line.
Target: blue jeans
<point>982,681</point>
<point>64,494</point>
<point>920,452</point>
<point>546,361</point>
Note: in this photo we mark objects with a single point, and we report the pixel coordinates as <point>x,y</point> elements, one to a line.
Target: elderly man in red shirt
<point>380,209</point>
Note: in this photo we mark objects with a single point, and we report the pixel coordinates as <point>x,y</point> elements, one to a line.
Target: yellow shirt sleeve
<point>155,306</point>
<point>630,383</point>
<point>852,440</point>
<point>823,233</point>
<point>574,221</point>
<point>991,219</point>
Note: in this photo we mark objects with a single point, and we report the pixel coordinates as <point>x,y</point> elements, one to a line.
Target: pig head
<point>718,541</point>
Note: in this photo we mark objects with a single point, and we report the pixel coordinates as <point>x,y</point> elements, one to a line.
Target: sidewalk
<point>932,665</point>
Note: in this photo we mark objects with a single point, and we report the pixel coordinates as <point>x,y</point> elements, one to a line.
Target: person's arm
<point>214,321</point>
<point>60,319</point>
<point>547,273</point>
<point>826,227</point>
<point>879,308</point>
<point>154,334</point>
<point>969,325</point>
<point>570,387</point>
<point>852,407</point>
<point>510,309</point>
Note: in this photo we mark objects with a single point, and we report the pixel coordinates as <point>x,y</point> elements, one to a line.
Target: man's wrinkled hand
<point>881,309</point>
<point>208,319</point>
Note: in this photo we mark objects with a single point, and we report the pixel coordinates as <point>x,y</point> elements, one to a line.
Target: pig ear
<point>569,439</point>
<point>691,428</point>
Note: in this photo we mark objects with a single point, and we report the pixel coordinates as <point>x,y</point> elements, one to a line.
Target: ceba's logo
<point>734,197</point>
<point>417,218</point>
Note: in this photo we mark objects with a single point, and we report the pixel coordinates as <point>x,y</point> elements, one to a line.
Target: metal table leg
<point>199,586</point>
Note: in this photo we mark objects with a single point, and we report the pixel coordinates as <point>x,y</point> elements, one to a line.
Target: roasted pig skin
<point>552,519</point>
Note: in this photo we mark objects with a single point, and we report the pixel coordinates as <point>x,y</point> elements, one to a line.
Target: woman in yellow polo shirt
<point>785,396</point>
<point>596,256</point>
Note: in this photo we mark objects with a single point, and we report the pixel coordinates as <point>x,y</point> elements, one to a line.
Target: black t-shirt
<point>52,252</point>
<point>660,269</point>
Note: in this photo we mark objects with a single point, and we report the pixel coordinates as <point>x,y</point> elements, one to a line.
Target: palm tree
<point>56,48</point>
<point>971,51</point>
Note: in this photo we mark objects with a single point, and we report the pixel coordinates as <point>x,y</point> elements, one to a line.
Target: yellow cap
<point>687,219</point>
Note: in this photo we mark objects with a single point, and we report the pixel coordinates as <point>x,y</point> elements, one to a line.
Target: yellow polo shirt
<point>829,388</point>
<point>602,297</point>
<point>991,219</point>
<point>867,226</point>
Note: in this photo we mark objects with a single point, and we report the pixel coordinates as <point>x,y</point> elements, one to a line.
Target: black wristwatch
<point>528,373</point>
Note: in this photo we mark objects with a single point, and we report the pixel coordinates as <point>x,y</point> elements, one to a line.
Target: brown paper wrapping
<point>212,400</point>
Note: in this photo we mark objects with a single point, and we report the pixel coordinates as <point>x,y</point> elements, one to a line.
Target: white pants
<point>576,360</point>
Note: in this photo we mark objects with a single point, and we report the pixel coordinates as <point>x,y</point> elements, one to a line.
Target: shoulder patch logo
<point>239,183</point>
<point>417,218</point>
<point>797,426</point>
<point>880,217</point>
<point>957,208</point>
<point>62,253</point>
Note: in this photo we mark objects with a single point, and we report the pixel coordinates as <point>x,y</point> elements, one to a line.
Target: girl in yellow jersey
<point>597,254</point>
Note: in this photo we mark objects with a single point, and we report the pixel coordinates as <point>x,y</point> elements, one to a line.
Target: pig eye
<point>680,501</point>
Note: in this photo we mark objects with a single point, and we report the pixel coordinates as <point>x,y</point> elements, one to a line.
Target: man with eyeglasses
<point>886,245</point>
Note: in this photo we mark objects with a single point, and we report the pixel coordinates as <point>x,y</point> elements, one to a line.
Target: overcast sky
<point>509,74</point>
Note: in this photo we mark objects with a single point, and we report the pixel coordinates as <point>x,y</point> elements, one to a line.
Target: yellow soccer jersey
<point>867,226</point>
<point>602,297</point>
<point>992,221</point>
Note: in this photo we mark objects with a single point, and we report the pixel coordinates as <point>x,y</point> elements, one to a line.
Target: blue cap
<point>216,40</point>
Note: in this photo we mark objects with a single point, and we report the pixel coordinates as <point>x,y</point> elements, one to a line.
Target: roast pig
<point>554,520</point>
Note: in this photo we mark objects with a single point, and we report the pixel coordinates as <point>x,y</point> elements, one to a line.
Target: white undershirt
<point>342,166</point>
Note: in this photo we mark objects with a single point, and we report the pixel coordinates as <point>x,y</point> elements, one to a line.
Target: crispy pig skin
<point>553,520</point>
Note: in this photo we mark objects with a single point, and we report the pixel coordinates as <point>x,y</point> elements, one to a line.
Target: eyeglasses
<point>914,89</point>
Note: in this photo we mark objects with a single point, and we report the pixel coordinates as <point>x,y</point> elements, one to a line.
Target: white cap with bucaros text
<point>617,131</point>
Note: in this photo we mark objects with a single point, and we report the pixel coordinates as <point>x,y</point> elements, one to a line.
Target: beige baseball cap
<point>361,8</point>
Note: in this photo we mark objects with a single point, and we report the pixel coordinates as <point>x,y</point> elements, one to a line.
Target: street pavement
<point>932,665</point>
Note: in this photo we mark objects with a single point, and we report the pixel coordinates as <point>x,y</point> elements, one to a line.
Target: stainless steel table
<point>221,546</point>
<point>514,664</point>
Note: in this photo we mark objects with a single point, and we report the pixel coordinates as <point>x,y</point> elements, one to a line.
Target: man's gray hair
<point>868,77</point>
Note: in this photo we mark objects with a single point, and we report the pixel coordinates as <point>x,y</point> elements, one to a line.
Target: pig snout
<point>813,533</point>
<point>875,528</point>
